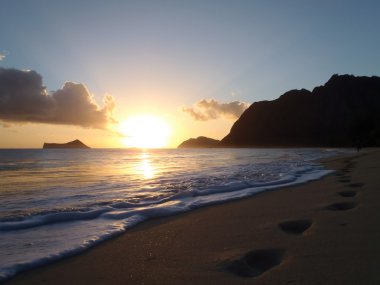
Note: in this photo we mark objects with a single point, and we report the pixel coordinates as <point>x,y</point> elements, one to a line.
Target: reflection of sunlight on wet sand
<point>145,167</point>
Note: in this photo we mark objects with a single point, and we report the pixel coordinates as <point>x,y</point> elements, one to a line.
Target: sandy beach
<point>322,232</point>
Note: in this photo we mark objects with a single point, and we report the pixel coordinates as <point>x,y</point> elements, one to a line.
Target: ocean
<point>59,202</point>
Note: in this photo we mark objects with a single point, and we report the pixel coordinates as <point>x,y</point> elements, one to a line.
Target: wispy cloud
<point>211,109</point>
<point>3,54</point>
<point>23,98</point>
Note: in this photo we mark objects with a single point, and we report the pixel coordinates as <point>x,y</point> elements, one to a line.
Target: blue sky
<point>160,55</point>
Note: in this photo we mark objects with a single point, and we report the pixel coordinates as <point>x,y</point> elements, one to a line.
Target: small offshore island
<point>73,144</point>
<point>199,142</point>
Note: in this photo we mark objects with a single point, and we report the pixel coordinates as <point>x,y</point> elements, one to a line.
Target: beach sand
<point>322,232</point>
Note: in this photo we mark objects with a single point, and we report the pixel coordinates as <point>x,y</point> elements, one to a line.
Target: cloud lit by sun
<point>145,131</point>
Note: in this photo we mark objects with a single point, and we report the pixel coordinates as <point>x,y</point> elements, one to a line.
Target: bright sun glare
<point>145,131</point>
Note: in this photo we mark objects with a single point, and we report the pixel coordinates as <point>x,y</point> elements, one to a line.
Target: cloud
<point>23,99</point>
<point>3,54</point>
<point>210,109</point>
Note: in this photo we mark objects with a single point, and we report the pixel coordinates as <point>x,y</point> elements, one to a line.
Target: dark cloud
<point>23,98</point>
<point>210,109</point>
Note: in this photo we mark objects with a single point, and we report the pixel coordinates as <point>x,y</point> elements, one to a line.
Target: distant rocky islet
<point>72,144</point>
<point>199,142</point>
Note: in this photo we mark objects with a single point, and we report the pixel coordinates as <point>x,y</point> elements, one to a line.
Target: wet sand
<point>322,232</point>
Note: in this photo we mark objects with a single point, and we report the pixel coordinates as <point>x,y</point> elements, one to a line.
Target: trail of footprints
<point>257,262</point>
<point>346,178</point>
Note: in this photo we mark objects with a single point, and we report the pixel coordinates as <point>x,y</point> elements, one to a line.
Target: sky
<point>81,69</point>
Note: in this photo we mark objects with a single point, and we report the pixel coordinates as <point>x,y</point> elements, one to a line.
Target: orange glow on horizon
<point>145,131</point>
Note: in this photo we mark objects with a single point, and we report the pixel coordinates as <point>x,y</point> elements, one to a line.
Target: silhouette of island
<point>345,112</point>
<point>199,142</point>
<point>72,144</point>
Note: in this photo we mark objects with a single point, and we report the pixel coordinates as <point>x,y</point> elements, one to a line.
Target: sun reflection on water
<point>144,167</point>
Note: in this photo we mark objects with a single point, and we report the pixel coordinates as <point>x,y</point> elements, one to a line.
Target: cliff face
<point>343,112</point>
<point>199,142</point>
<point>73,144</point>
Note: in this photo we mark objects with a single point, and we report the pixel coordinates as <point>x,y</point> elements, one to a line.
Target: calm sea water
<point>54,203</point>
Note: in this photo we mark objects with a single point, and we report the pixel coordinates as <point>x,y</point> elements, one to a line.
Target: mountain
<point>73,144</point>
<point>344,112</point>
<point>199,142</point>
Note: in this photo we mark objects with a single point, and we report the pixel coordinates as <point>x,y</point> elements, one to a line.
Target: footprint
<point>347,169</point>
<point>296,227</point>
<point>344,180</point>
<point>350,164</point>
<point>354,185</point>
<point>256,262</point>
<point>347,193</point>
<point>342,206</point>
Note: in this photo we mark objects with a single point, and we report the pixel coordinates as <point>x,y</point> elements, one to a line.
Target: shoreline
<point>197,247</point>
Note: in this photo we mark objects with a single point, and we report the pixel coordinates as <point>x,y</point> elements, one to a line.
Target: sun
<point>145,131</point>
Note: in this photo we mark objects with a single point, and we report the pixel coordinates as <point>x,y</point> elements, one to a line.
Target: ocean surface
<point>55,203</point>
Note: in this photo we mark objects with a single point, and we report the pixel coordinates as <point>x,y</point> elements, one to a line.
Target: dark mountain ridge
<point>343,112</point>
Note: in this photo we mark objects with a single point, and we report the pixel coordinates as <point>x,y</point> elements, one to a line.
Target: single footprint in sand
<point>256,262</point>
<point>347,193</point>
<point>348,167</point>
<point>354,185</point>
<point>344,179</point>
<point>350,163</point>
<point>342,206</point>
<point>296,227</point>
